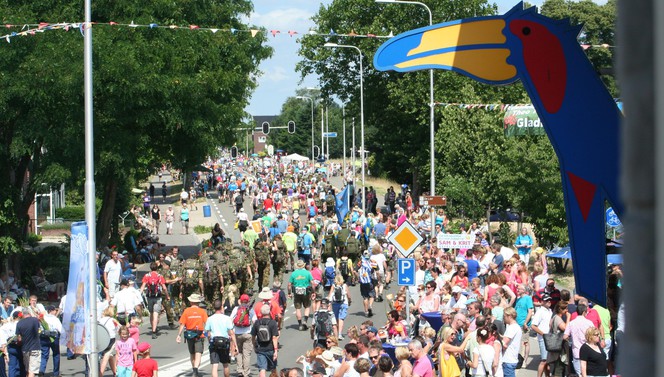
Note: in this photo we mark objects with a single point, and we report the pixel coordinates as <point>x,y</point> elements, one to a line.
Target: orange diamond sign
<point>406,238</point>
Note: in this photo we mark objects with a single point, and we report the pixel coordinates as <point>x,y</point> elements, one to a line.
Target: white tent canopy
<point>295,157</point>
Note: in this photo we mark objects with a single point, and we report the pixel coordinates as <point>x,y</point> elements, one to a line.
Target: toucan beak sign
<point>475,47</point>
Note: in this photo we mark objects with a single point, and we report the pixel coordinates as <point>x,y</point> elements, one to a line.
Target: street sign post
<point>406,238</point>
<point>406,272</point>
<point>433,201</point>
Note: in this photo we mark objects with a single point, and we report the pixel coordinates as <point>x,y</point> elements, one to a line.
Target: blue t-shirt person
<point>523,244</point>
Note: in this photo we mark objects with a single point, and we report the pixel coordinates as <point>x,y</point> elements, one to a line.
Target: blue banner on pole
<point>77,307</point>
<point>342,204</point>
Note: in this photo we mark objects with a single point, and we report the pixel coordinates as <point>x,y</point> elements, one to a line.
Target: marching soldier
<point>263,258</point>
<point>279,257</point>
<point>212,279</point>
<point>171,280</point>
<point>192,280</point>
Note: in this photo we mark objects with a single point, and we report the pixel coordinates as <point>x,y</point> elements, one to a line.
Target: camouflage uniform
<point>192,280</point>
<point>279,258</point>
<point>175,288</point>
<point>247,281</point>
<point>211,280</point>
<point>329,251</point>
<point>167,304</point>
<point>237,267</point>
<point>262,251</point>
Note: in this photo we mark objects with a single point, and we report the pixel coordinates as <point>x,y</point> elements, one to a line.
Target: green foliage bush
<point>33,239</point>
<point>202,229</point>
<point>71,213</point>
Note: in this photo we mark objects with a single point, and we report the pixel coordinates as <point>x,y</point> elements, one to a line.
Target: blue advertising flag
<point>342,203</point>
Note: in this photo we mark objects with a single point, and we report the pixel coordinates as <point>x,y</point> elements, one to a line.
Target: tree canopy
<point>159,95</point>
<point>476,166</point>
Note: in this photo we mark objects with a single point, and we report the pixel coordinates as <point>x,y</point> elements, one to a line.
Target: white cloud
<point>275,74</point>
<point>283,19</point>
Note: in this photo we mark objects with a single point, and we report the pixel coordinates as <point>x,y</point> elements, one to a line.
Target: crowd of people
<point>470,311</point>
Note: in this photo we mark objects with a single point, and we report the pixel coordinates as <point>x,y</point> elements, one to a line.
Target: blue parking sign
<point>406,272</point>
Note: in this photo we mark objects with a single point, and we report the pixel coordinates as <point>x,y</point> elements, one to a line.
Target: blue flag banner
<point>342,204</point>
<point>77,306</point>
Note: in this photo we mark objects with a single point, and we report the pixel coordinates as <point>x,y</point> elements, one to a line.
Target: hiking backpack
<point>242,317</point>
<point>153,286</point>
<point>330,274</point>
<point>338,296</point>
<point>323,325</point>
<point>300,243</point>
<point>344,267</point>
<point>263,333</point>
<point>190,268</point>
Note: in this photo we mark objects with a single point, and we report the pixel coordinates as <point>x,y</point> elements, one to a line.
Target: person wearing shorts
<point>154,298</point>
<point>266,351</point>
<point>340,304</point>
<point>220,330</point>
<point>193,319</point>
<point>300,288</point>
<point>28,329</point>
<point>367,290</point>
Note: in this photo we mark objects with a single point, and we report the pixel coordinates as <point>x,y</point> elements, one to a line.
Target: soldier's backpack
<point>190,272</point>
<point>352,246</point>
<point>329,200</point>
<point>280,254</point>
<point>329,245</point>
<point>262,253</point>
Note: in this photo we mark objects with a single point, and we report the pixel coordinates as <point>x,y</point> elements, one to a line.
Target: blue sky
<point>279,79</point>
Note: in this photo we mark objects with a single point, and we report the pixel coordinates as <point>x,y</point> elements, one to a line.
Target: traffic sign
<point>406,238</point>
<point>329,134</point>
<point>406,271</point>
<point>612,219</point>
<point>432,200</point>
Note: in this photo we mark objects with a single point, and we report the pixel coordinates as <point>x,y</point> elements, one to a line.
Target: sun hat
<point>456,289</point>
<point>195,297</point>
<point>300,264</point>
<point>329,262</point>
<point>266,294</point>
<point>326,357</point>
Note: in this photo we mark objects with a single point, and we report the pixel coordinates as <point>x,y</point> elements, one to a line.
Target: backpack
<point>352,246</point>
<point>262,254</point>
<point>338,294</point>
<point>263,333</point>
<point>300,242</point>
<point>344,268</point>
<point>242,317</point>
<point>329,200</point>
<point>323,325</point>
<point>153,286</point>
<point>280,253</point>
<point>190,268</point>
<point>330,274</point>
<point>312,211</point>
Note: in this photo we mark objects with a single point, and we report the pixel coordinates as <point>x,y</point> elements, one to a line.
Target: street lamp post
<point>312,125</point>
<point>334,45</point>
<point>432,104</point>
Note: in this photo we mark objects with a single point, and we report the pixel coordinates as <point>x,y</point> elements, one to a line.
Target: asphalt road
<point>173,358</point>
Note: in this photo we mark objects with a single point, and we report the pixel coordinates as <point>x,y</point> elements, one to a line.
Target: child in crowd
<point>126,349</point>
<point>145,366</point>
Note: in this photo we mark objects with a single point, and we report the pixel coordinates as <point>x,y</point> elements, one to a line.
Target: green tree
<point>159,95</point>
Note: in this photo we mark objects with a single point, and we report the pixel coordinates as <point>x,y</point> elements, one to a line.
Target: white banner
<point>455,241</point>
<point>77,306</point>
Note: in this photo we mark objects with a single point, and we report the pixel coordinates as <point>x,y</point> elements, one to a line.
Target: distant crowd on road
<point>470,311</point>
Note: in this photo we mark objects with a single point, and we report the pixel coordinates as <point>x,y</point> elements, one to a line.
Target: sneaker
<point>301,327</point>
<point>154,336</point>
<point>305,326</point>
<point>370,314</point>
<point>340,337</point>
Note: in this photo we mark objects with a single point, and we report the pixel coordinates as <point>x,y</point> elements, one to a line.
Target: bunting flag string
<point>492,106</point>
<point>32,29</point>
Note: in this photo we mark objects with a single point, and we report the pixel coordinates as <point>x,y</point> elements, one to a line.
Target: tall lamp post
<point>432,105</point>
<point>361,73</point>
<point>312,125</point>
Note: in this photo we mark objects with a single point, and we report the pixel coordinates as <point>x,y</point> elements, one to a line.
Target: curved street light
<point>361,74</point>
